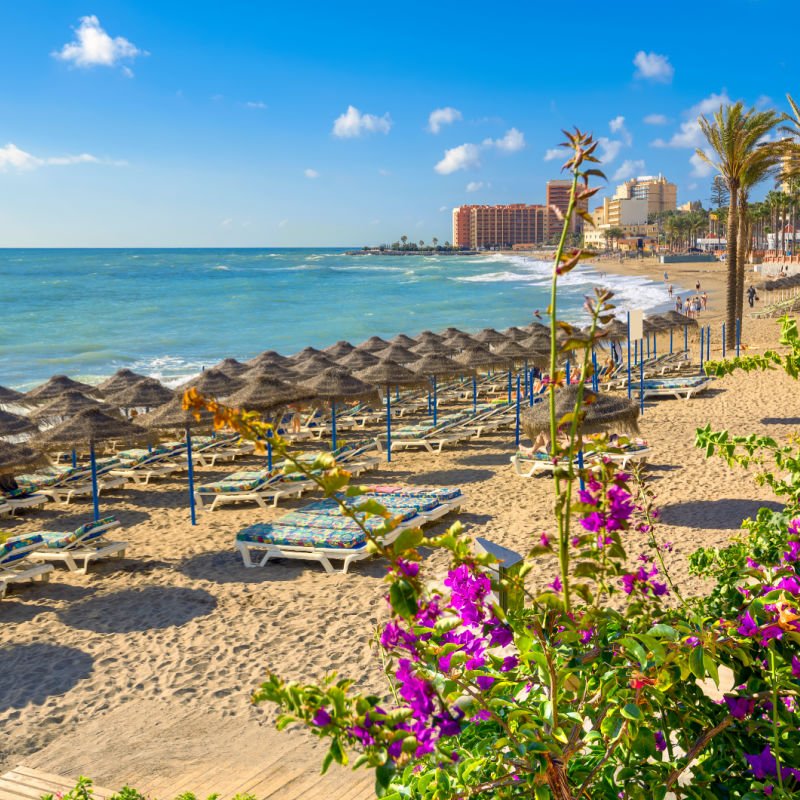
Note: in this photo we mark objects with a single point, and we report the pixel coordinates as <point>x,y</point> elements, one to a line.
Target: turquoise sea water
<point>169,312</point>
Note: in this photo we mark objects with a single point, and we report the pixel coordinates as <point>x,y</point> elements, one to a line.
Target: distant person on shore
<point>697,285</point>
<point>687,307</point>
<point>666,277</point>
<point>669,290</point>
<point>704,300</point>
<point>751,296</point>
<point>678,304</point>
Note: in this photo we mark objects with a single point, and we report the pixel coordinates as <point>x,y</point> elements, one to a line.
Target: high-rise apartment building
<point>660,194</point>
<point>499,226</point>
<point>558,192</point>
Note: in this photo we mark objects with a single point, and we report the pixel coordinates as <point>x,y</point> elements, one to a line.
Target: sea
<point>168,313</point>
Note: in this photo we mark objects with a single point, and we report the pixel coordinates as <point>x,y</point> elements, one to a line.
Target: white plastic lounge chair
<point>22,498</point>
<point>679,388</point>
<point>14,566</point>
<point>254,487</point>
<point>140,466</point>
<point>332,537</point>
<point>83,544</point>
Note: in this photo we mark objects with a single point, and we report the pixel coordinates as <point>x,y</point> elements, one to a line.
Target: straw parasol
<point>374,344</point>
<point>338,350</point>
<point>305,353</point>
<point>212,382</point>
<point>336,383</point>
<point>404,340</point>
<point>607,412</point>
<point>67,405</point>
<point>476,355</point>
<point>490,336</point>
<point>431,347</point>
<point>533,327</point>
<point>17,456</point>
<point>56,386</point>
<point>677,320</point>
<point>433,364</point>
<point>121,379</point>
<point>460,341</point>
<point>232,367</point>
<point>510,351</point>
<point>145,393</point>
<point>11,397</point>
<point>388,373</point>
<point>14,424</point>
<point>429,336</point>
<point>616,331</point>
<point>516,334</point>
<point>264,392</point>
<point>359,359</point>
<point>173,415</point>
<point>398,353</point>
<point>90,426</point>
<point>313,364</point>
<point>449,333</point>
<point>270,358</point>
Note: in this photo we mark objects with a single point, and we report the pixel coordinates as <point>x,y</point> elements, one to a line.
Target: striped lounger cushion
<point>9,550</point>
<point>299,536</point>
<point>233,487</point>
<point>58,540</point>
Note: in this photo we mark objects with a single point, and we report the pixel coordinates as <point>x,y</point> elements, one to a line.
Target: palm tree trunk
<point>733,213</point>
<point>743,247</point>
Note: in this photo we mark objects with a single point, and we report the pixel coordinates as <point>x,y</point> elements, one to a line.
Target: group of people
<point>691,306</point>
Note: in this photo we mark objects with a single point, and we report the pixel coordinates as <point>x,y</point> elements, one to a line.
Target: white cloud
<point>442,116</point>
<point>353,123</point>
<point>653,67</point>
<point>700,168</point>
<point>512,142</point>
<point>554,153</point>
<point>227,222</point>
<point>444,208</point>
<point>628,169</point>
<point>311,173</point>
<point>689,133</point>
<point>474,186</point>
<point>255,104</point>
<point>655,119</point>
<point>462,157</point>
<point>617,125</point>
<point>13,157</point>
<point>608,149</point>
<point>93,47</point>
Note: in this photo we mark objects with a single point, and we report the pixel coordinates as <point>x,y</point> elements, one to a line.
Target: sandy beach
<point>144,667</point>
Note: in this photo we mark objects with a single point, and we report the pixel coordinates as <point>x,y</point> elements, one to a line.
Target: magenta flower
<point>509,663</point>
<point>484,682</point>
<point>763,764</point>
<point>747,625</point>
<point>321,718</point>
<point>661,742</point>
<point>544,540</point>
<point>793,553</point>
<point>739,707</point>
<point>556,585</point>
<point>408,568</point>
<point>795,667</point>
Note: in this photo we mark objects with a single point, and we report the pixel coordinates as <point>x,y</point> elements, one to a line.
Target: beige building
<point>660,194</point>
<point>558,192</point>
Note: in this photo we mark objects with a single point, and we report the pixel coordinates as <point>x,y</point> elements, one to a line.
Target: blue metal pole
<point>655,345</point>
<point>685,338</point>
<point>509,385</point>
<point>95,494</point>
<point>641,387</point>
<point>580,467</point>
<point>190,466</point>
<point>74,458</point>
<point>723,340</point>
<point>647,338</point>
<point>269,451</point>
<point>568,372</point>
<point>530,393</point>
<point>474,395</point>
<point>595,379</point>
<point>333,424</point>
<point>518,399</point>
<point>702,347</point>
<point>629,355</point>
<point>435,403</point>
<point>738,336</point>
<point>708,343</point>
<point>388,423</point>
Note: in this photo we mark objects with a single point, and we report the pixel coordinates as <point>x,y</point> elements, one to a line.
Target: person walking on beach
<point>751,296</point>
<point>669,290</point>
<point>678,304</point>
<point>697,285</point>
<point>687,308</point>
<point>704,300</point>
<point>666,277</point>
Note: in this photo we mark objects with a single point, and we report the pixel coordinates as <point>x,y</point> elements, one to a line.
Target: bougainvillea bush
<point>606,682</point>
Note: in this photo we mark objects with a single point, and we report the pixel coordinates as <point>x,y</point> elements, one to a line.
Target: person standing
<point>678,304</point>
<point>751,296</point>
<point>669,290</point>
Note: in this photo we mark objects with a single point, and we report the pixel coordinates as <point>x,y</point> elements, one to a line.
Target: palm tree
<point>735,136</point>
<point>404,239</point>
<point>435,241</point>
<point>616,234</point>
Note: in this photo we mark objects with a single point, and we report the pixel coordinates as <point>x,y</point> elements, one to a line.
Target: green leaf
<point>408,539</point>
<point>696,663</point>
<point>664,631</point>
<point>631,711</point>
<point>403,599</point>
<point>383,777</point>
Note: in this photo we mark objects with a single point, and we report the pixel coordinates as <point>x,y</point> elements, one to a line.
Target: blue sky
<point>260,124</point>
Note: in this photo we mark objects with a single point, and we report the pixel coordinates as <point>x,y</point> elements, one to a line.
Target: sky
<point>153,124</point>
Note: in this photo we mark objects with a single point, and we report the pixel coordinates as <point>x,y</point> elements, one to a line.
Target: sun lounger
<point>679,388</point>
<point>140,466</point>
<point>14,565</point>
<point>62,483</point>
<point>526,465</point>
<point>320,533</point>
<point>22,498</point>
<point>258,487</point>
<point>84,544</point>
